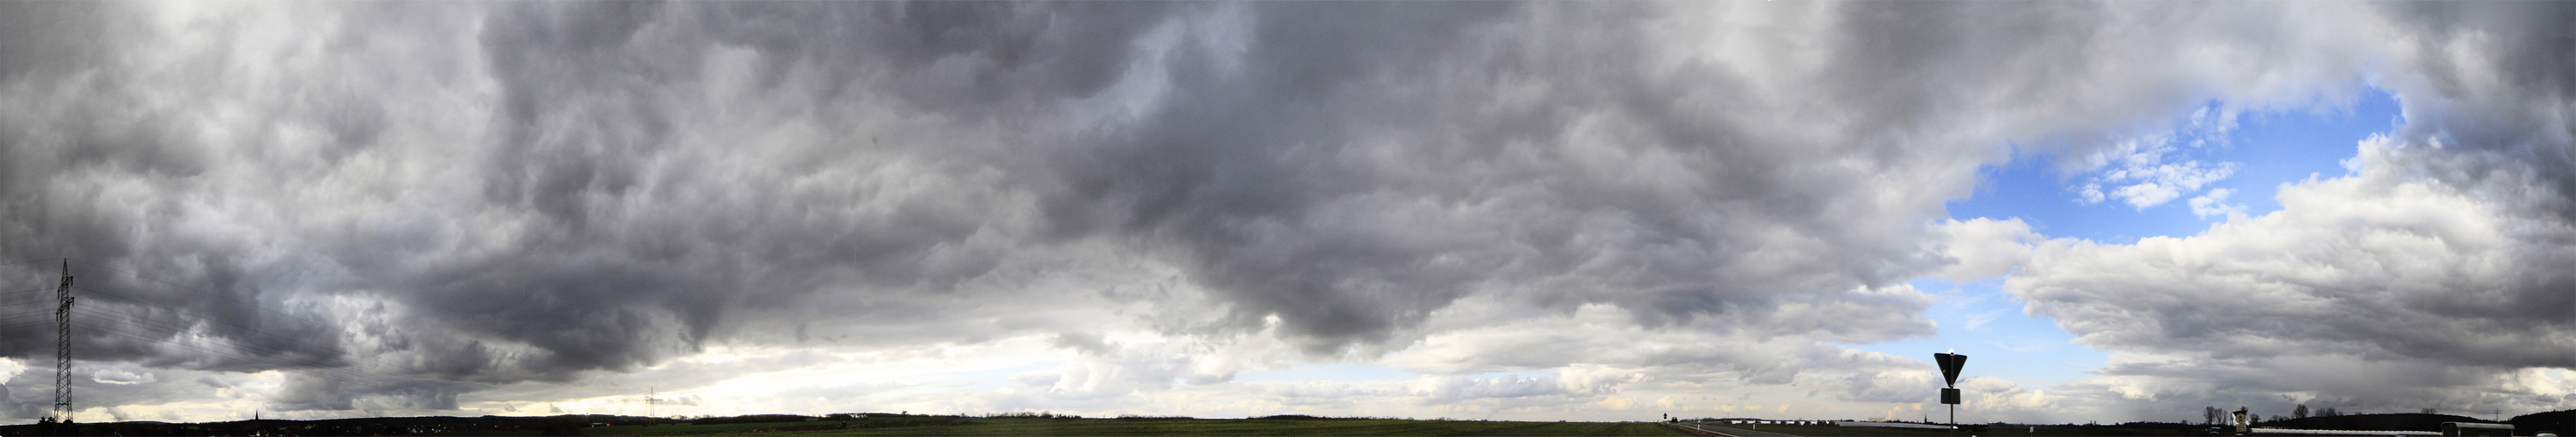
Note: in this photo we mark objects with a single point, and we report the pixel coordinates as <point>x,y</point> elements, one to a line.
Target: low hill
<point>2561,422</point>
<point>2376,422</point>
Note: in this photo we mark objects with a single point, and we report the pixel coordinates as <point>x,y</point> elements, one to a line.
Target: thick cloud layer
<point>585,180</point>
<point>430,199</point>
<point>2438,263</point>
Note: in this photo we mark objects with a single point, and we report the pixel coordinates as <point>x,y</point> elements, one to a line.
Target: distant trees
<point>2209,415</point>
<point>2329,412</point>
<point>2300,412</point>
<point>1031,415</point>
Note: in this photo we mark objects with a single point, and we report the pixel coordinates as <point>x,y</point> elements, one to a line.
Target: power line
<point>12,263</point>
<point>212,319</point>
<point>263,353</point>
<point>276,358</point>
<point>341,375</point>
<point>25,316</point>
<point>332,369</point>
<point>31,290</point>
<point>252,305</point>
<point>307,362</point>
<point>25,324</point>
<point>313,365</point>
<point>314,322</point>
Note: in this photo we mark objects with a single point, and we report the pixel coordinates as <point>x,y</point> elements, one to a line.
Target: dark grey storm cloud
<point>450,197</point>
<point>576,187</point>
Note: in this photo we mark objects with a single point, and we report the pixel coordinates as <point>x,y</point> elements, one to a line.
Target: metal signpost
<point>1950,364</point>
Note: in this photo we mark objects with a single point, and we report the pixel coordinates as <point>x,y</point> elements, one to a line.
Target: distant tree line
<point>2216,416</point>
<point>1031,415</point>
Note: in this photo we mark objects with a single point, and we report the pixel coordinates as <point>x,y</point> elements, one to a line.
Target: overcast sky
<point>1578,210</point>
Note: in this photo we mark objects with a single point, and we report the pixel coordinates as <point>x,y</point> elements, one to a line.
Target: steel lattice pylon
<point>63,348</point>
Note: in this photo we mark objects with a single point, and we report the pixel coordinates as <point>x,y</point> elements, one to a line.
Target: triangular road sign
<point>1950,364</point>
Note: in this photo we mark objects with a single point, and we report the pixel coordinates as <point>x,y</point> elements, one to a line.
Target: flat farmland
<point>1349,427</point>
<point>1998,431</point>
<point>1836,431</point>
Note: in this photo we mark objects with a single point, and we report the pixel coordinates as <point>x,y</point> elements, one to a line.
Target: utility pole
<point>63,347</point>
<point>651,401</point>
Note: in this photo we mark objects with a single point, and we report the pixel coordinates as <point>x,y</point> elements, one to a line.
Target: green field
<point>713,429</point>
<point>1081,427</point>
<point>1999,431</point>
<point>1838,431</point>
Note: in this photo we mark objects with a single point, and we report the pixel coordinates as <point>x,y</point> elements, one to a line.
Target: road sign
<point>1950,364</point>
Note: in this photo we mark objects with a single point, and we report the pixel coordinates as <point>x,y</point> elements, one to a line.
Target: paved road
<point>1731,431</point>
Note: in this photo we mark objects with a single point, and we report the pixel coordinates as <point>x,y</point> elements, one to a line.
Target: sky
<point>2120,211</point>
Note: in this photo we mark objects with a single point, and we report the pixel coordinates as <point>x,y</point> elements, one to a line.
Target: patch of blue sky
<point>1979,320</point>
<point>2259,151</point>
<point>2281,148</point>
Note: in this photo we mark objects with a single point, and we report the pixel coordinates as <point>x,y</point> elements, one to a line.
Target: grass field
<point>1999,431</point>
<point>1085,427</point>
<point>1839,431</point>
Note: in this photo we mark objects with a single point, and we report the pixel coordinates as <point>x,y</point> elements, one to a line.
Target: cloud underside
<point>2439,260</point>
<point>464,197</point>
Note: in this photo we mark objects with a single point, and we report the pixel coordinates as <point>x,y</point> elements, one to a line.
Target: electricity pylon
<point>63,348</point>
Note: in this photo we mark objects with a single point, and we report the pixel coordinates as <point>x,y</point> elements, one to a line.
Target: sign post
<point>1950,364</point>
